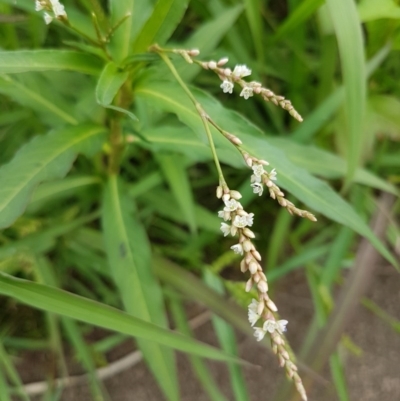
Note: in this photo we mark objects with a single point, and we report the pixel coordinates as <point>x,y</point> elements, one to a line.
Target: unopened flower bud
<point>247,245</point>
<point>274,348</point>
<point>277,340</point>
<point>235,194</point>
<point>260,307</point>
<point>248,233</point>
<point>243,266</point>
<point>256,254</point>
<point>270,303</point>
<point>219,192</point>
<point>263,162</point>
<point>281,361</point>
<point>253,267</point>
<point>256,278</point>
<point>227,72</point>
<point>282,202</point>
<point>194,52</point>
<point>226,197</point>
<point>223,61</point>
<point>249,285</point>
<point>212,65</point>
<point>262,286</point>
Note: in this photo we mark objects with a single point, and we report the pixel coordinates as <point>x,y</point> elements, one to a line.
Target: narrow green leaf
<point>348,25</point>
<point>129,253</point>
<point>339,376</point>
<point>14,62</point>
<point>255,22</point>
<point>73,306</point>
<point>110,81</point>
<point>174,169</point>
<point>4,393</point>
<point>302,12</point>
<point>227,340</point>
<point>162,23</point>
<point>44,158</point>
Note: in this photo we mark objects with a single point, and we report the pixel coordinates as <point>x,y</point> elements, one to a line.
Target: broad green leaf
<point>159,27</point>
<point>63,303</point>
<point>370,10</point>
<point>314,193</point>
<point>348,25</point>
<point>129,256</point>
<point>33,99</point>
<point>110,81</point>
<point>44,158</point>
<point>174,170</point>
<point>13,62</point>
<point>303,11</point>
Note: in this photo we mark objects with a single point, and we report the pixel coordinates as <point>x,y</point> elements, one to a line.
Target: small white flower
<point>259,333</point>
<point>255,178</point>
<point>231,205</point>
<point>240,221</point>
<point>257,188</point>
<point>227,86</point>
<point>241,71</point>
<point>269,326</point>
<point>253,317</point>
<point>47,18</point>
<point>38,5</point>
<point>238,249</point>
<point>258,169</point>
<point>249,219</point>
<point>225,228</point>
<point>281,326</point>
<point>254,305</point>
<point>247,92</point>
<point>272,175</point>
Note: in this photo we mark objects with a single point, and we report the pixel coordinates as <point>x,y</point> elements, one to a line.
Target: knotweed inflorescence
<point>237,221</point>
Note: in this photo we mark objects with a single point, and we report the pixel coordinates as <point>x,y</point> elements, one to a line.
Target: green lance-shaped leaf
<point>13,62</point>
<point>44,158</point>
<point>315,193</point>
<point>159,27</point>
<point>129,258</point>
<point>64,303</point>
<point>111,79</point>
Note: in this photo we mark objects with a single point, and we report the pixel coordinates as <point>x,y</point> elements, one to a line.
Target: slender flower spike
<point>227,86</point>
<point>238,249</point>
<point>225,228</point>
<point>231,205</point>
<point>257,188</point>
<point>247,92</point>
<point>241,71</point>
<point>259,333</point>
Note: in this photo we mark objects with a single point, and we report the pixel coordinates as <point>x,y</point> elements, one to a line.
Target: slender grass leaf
<point>44,158</point>
<point>313,192</point>
<point>199,367</point>
<point>63,303</point>
<point>174,169</point>
<point>227,340</point>
<point>4,392</point>
<point>339,376</point>
<point>161,24</point>
<point>14,62</point>
<point>347,25</point>
<point>110,81</point>
<point>302,12</point>
<point>129,256</point>
<point>255,21</point>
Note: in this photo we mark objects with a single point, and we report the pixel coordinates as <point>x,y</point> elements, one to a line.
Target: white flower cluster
<point>53,6</point>
<point>229,77</point>
<point>269,326</point>
<point>260,176</point>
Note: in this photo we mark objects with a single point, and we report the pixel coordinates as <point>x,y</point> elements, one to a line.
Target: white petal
<point>281,325</point>
<point>238,249</point>
<point>259,333</point>
<point>225,228</point>
<point>270,326</point>
<point>253,317</point>
<point>47,18</point>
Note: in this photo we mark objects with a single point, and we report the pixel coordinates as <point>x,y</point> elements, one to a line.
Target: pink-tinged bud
<point>289,371</point>
<point>277,340</point>
<point>212,65</point>
<point>311,217</point>
<point>227,72</point>
<point>223,61</point>
<point>281,361</point>
<point>284,353</point>
<point>249,285</point>
<point>248,233</point>
<point>257,90</point>
<point>226,197</point>
<point>270,304</point>
<point>235,194</point>
<point>269,183</point>
<point>262,286</point>
<point>253,267</point>
<point>248,258</point>
<point>282,202</point>
<point>247,246</point>
<point>272,194</point>
<point>235,140</point>
<point>219,192</point>
<point>274,348</point>
<point>243,266</point>
<point>249,161</point>
<point>256,254</point>
<point>256,278</point>
<point>194,52</point>
<point>240,212</point>
<point>263,162</point>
